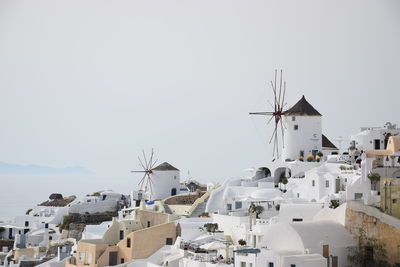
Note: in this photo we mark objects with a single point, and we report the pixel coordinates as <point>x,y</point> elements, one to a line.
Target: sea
<point>20,192</point>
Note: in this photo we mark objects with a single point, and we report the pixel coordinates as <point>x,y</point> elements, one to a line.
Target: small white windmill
<point>146,183</point>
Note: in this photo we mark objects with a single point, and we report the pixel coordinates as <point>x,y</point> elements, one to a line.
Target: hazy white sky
<point>91,83</point>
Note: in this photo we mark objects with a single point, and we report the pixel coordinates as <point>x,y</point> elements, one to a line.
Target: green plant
<point>28,211</point>
<point>242,242</point>
<point>310,158</point>
<point>257,210</point>
<point>204,214</point>
<point>320,154</point>
<point>96,194</point>
<point>211,227</point>
<point>368,253</point>
<point>65,223</point>
<point>374,178</point>
<point>2,229</point>
<point>334,204</point>
<point>301,159</point>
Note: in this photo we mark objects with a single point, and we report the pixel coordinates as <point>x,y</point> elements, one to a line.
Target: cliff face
<point>77,222</point>
<point>376,224</point>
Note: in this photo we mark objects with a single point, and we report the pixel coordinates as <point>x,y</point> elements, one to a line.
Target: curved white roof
<point>266,194</point>
<point>308,235</point>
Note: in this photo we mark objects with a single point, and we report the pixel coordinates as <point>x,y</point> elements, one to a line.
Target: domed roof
<point>266,194</point>
<point>302,108</point>
<point>165,167</point>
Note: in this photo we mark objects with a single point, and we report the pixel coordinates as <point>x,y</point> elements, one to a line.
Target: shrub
<point>277,207</point>
<point>211,227</point>
<point>301,158</point>
<point>374,178</point>
<point>242,242</point>
<point>320,154</point>
<point>28,211</point>
<point>256,209</point>
<point>334,204</point>
<point>65,224</point>
<point>310,158</point>
<point>96,194</point>
<point>318,159</point>
<point>2,229</point>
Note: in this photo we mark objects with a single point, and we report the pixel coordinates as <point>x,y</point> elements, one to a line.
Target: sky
<point>92,83</point>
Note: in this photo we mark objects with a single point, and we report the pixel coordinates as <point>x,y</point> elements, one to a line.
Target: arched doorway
<point>173,191</point>
<point>261,173</point>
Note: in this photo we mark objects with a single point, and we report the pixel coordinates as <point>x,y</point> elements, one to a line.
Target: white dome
<point>266,194</point>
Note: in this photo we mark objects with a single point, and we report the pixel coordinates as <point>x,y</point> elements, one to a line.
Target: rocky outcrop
<point>75,223</point>
<point>56,201</point>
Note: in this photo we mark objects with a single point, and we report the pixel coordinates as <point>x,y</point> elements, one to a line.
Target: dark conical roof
<point>326,143</point>
<point>302,108</point>
<point>165,167</point>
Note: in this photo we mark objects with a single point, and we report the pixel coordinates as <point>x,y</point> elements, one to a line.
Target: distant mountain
<point>8,168</point>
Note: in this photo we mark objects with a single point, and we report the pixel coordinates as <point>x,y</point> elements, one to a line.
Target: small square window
<point>229,206</point>
<point>238,205</point>
<point>168,241</point>
<point>313,182</point>
<point>326,183</point>
<point>296,127</point>
<point>293,118</point>
<point>394,201</point>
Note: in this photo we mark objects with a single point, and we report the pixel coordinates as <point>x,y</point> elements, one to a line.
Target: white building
<point>303,133</point>
<point>165,181</point>
<point>374,137</point>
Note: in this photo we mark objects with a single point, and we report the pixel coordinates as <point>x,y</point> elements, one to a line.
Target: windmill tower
<point>157,182</point>
<point>303,135</point>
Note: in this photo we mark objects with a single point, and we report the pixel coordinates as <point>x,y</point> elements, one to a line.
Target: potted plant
<point>301,159</point>
<point>310,158</point>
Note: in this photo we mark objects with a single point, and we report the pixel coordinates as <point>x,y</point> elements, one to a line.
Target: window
<point>301,153</point>
<point>358,195</point>
<point>81,256</point>
<point>148,223</point>
<point>50,238</point>
<point>377,144</point>
<point>168,241</point>
<point>250,264</point>
<point>238,204</point>
<point>293,118</point>
<point>296,127</point>
<point>229,206</point>
<point>394,201</point>
<point>122,260</point>
<point>297,219</point>
<point>292,265</point>
<point>298,195</point>
<point>326,184</point>
<point>26,223</point>
<point>242,264</point>
<point>313,182</point>
<point>271,264</point>
<point>128,242</point>
<point>121,235</point>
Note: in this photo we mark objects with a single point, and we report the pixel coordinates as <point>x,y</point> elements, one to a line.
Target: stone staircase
<point>167,209</point>
<point>199,210</point>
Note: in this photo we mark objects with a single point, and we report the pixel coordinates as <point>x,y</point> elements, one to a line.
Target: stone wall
<point>376,224</point>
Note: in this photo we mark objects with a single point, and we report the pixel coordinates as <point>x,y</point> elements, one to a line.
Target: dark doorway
<point>112,260</point>
<point>377,144</point>
<point>173,192</point>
